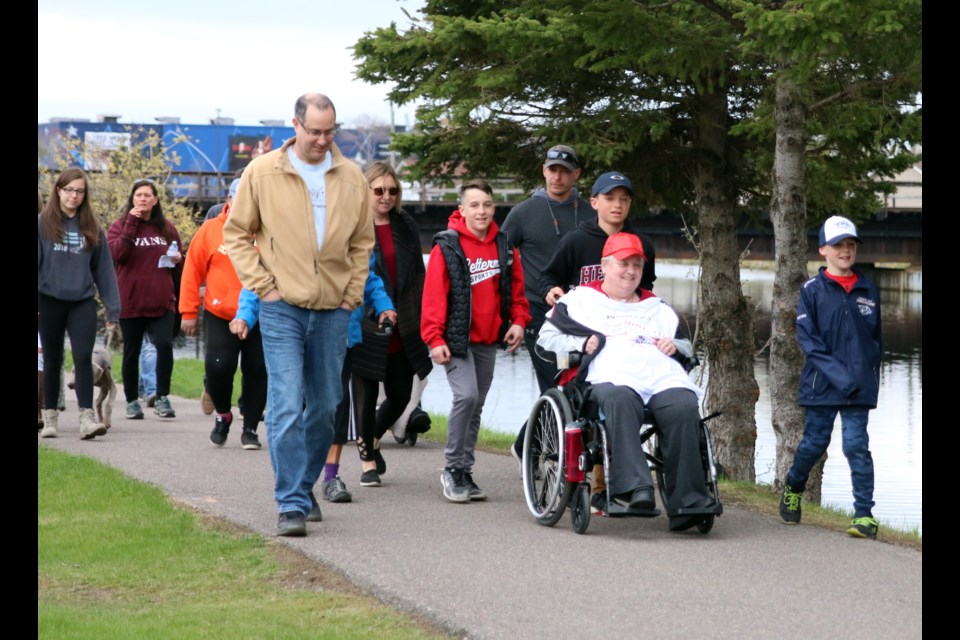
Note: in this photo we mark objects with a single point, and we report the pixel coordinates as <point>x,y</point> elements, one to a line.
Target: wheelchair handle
<point>386,329</point>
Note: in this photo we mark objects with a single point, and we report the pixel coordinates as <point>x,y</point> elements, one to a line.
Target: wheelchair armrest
<point>568,360</point>
<point>688,363</point>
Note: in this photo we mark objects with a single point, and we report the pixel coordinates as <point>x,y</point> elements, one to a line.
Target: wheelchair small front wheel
<point>705,525</point>
<point>412,438</point>
<point>580,508</point>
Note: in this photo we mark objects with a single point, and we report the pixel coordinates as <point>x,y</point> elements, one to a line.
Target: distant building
<point>209,153</point>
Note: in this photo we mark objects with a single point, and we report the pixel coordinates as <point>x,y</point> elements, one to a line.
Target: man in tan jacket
<point>306,207</point>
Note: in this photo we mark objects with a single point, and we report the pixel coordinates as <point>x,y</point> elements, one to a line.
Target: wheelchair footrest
<point>616,510</point>
<point>712,510</point>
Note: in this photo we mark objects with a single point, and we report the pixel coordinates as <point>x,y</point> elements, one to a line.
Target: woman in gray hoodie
<point>73,265</point>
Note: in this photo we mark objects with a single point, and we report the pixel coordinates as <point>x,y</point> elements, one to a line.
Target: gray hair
<point>319,100</point>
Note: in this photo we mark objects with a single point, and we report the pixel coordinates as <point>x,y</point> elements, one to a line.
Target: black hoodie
<point>577,258</point>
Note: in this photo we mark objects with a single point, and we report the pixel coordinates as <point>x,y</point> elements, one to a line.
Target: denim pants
<point>148,367</point>
<point>304,352</point>
<point>856,448</point>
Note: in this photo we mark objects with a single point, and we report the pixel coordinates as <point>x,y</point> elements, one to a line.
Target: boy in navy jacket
<point>838,327</point>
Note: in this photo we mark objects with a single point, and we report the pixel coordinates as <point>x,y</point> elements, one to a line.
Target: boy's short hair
<point>837,228</point>
<point>482,185</point>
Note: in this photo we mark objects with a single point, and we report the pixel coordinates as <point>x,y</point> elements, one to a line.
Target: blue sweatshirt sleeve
<point>248,308</point>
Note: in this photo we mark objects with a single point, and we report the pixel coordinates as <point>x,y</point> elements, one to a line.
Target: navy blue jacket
<point>839,334</point>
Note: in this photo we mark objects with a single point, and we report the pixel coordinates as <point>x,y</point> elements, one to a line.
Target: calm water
<point>896,426</point>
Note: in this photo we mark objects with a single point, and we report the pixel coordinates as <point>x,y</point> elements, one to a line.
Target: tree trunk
<point>789,216</point>
<point>725,317</point>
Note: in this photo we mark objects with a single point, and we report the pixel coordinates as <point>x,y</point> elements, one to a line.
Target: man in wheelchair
<point>632,359</point>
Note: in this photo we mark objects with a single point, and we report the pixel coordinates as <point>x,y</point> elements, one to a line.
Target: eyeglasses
<point>76,192</point>
<point>566,156</point>
<point>379,191</point>
<point>316,133</point>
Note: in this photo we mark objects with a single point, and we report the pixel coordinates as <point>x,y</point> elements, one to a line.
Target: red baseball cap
<point>623,245</point>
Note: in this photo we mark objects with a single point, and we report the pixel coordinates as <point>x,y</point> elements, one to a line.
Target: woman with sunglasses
<point>141,241</point>
<point>399,263</point>
<point>73,265</point>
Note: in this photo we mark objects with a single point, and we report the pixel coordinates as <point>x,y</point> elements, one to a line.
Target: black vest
<point>457,333</point>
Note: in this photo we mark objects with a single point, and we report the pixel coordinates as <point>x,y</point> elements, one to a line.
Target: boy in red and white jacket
<point>473,301</point>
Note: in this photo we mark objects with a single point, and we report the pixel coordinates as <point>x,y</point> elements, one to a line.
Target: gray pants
<point>678,415</point>
<point>469,379</point>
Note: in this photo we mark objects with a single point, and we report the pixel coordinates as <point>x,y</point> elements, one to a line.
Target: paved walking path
<point>487,570</point>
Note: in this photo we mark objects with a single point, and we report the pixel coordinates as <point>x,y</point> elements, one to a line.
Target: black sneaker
<point>315,515</point>
<point>249,440</point>
<point>790,505</point>
<point>454,487</point>
<point>381,463</point>
<point>221,428</point>
<point>335,491</point>
<point>865,527</point>
<point>419,421</point>
<point>370,478</point>
<point>475,492</point>
<point>291,523</point>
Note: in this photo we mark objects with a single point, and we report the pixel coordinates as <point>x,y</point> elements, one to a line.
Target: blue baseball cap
<point>610,181</point>
<point>232,193</point>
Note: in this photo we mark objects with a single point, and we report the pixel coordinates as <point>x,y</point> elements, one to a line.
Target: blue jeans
<point>856,448</point>
<point>148,367</point>
<point>304,353</point>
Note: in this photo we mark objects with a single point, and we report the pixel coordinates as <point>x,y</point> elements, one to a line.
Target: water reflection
<point>896,426</point>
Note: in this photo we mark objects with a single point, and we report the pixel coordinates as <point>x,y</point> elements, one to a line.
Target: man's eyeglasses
<point>316,133</point>
<point>379,191</point>
<point>71,190</point>
<point>566,156</point>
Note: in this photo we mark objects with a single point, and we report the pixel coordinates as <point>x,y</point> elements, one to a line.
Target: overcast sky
<point>250,59</point>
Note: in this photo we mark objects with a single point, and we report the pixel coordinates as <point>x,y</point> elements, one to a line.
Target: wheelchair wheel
<point>580,508</point>
<point>412,438</point>
<point>402,440</point>
<point>545,485</point>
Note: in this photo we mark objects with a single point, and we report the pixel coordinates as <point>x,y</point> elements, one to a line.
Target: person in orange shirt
<point>207,261</point>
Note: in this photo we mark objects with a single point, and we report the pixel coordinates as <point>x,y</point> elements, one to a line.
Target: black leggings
<point>397,388</point>
<point>220,365</point>
<point>78,319</point>
<point>161,330</point>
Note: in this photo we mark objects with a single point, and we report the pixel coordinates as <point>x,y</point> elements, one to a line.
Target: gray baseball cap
<point>562,155</point>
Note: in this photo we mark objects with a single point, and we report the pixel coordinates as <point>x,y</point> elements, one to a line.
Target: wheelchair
<point>565,437</point>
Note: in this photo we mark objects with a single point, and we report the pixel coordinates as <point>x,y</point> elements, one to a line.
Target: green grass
<point>115,559</point>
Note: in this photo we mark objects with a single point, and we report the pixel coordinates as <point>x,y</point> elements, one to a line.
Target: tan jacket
<point>273,206</point>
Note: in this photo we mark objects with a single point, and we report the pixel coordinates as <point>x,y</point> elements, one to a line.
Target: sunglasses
<point>379,191</point>
<point>566,156</point>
